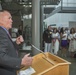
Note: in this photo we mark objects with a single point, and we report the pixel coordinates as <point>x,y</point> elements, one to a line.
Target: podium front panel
<point>50,65</point>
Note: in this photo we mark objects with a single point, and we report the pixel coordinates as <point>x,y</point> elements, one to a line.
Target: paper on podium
<point>28,71</point>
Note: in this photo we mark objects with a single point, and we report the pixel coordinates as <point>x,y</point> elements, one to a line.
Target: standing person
<point>72,44</point>
<point>61,32</point>
<point>64,43</point>
<point>9,61</point>
<point>55,40</point>
<point>47,38</point>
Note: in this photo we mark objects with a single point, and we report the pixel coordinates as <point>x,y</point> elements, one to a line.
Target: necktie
<point>9,34</point>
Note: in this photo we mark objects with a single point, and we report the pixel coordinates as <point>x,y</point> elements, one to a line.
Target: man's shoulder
<point>1,29</point>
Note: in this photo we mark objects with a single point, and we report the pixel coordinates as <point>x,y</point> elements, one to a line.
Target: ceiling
<point>18,7</point>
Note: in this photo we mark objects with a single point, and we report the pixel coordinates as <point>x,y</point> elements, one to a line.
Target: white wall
<point>61,19</point>
<point>72,24</point>
<point>71,3</point>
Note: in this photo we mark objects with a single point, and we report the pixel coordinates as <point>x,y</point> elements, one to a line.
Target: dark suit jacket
<point>9,61</point>
<point>47,37</point>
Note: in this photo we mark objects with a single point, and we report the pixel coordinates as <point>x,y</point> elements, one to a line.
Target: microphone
<point>18,34</point>
<point>39,50</point>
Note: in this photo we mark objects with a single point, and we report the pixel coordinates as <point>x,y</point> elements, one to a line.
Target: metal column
<point>41,26</point>
<point>35,25</point>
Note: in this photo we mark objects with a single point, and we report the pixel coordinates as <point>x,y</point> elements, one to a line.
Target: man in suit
<point>9,61</point>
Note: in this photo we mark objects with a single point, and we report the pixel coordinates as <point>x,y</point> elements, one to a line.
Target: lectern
<point>50,65</point>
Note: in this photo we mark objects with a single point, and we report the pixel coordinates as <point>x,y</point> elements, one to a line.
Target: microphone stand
<point>46,58</point>
<point>39,50</point>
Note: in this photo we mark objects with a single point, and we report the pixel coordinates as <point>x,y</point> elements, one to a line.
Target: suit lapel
<point>9,37</point>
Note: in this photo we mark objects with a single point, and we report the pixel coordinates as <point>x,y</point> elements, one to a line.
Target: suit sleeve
<point>5,59</point>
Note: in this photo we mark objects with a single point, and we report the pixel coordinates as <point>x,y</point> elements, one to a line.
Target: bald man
<point>9,61</point>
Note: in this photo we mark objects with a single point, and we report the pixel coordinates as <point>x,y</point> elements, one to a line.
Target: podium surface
<point>50,65</point>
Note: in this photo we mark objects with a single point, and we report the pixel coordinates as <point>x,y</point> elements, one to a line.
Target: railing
<point>50,2</point>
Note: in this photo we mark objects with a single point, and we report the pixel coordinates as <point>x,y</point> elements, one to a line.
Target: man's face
<point>7,20</point>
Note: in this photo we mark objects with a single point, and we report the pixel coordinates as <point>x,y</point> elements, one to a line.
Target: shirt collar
<point>4,29</point>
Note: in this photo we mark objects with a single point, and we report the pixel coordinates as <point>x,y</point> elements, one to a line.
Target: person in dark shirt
<point>47,38</point>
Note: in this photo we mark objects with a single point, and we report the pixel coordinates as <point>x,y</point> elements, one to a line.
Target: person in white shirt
<point>72,44</point>
<point>55,41</point>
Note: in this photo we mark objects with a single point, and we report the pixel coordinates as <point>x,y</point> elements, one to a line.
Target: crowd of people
<point>63,39</point>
